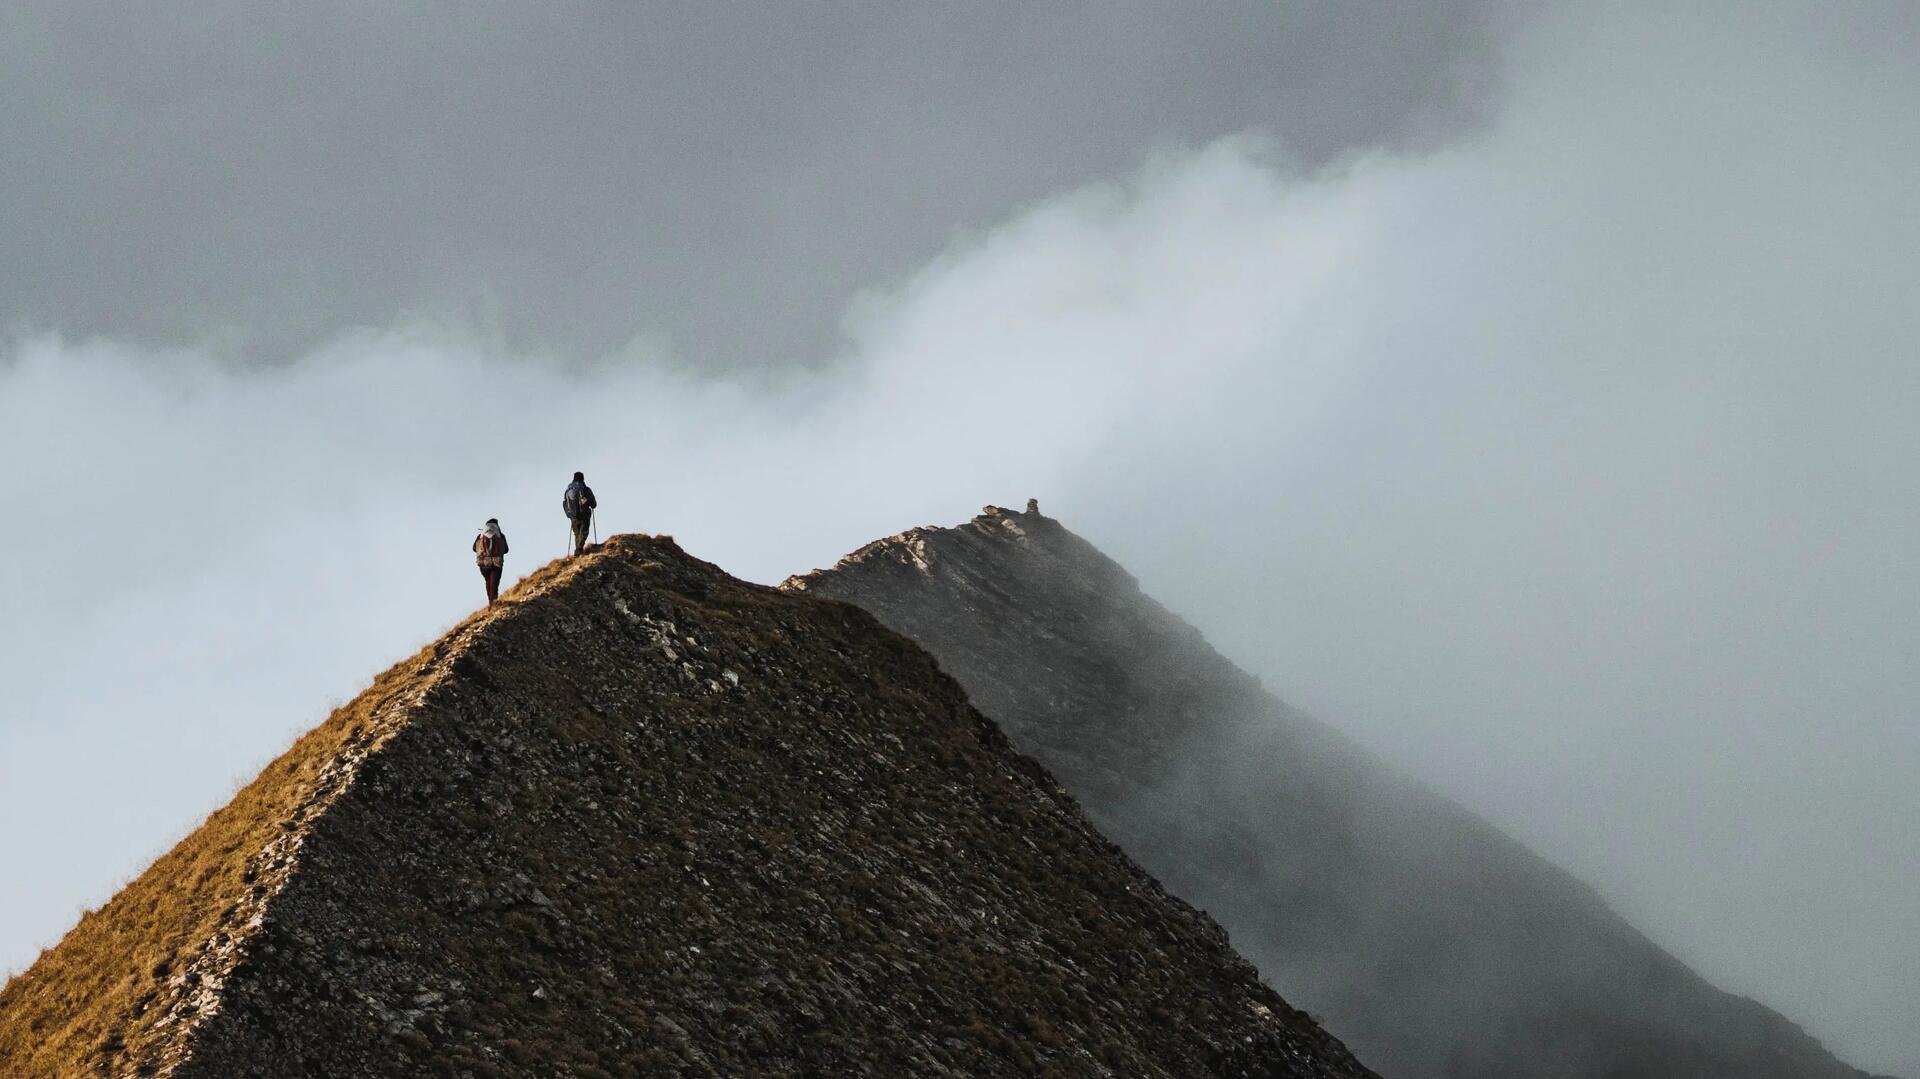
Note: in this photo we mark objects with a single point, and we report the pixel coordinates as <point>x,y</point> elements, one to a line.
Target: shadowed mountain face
<point>1431,942</point>
<point>641,818</point>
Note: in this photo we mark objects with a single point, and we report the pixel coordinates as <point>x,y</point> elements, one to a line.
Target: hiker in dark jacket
<point>490,550</point>
<point>578,504</point>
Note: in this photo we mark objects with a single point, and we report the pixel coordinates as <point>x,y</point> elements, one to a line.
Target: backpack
<point>574,502</point>
<point>490,548</point>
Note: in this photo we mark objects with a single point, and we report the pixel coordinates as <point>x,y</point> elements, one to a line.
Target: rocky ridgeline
<point>1434,944</point>
<point>641,818</point>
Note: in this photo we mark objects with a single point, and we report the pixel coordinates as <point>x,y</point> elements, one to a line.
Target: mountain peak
<point>1435,944</point>
<point>910,548</point>
<point>1119,667</point>
<point>640,817</point>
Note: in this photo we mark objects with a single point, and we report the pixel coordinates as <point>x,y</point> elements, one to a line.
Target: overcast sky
<point>717,178</point>
<point>1530,392</point>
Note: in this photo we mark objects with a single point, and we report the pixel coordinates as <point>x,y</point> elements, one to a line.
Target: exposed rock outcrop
<point>641,818</point>
<point>1431,942</point>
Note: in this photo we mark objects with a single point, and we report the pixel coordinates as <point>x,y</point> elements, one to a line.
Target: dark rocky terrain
<point>1434,944</point>
<point>641,818</point>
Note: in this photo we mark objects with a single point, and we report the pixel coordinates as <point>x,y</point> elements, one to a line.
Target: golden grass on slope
<point>121,992</point>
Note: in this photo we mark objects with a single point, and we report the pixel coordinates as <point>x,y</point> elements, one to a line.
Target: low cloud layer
<point>1568,463</point>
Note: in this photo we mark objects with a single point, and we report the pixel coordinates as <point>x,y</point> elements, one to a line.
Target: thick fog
<point>1532,396</point>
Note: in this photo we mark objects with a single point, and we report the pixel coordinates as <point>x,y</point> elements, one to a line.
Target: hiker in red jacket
<point>490,550</point>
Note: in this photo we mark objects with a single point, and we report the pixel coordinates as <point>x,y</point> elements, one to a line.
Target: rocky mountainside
<point>1431,942</point>
<point>641,818</point>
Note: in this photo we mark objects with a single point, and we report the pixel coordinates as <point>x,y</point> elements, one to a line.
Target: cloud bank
<point>1568,463</point>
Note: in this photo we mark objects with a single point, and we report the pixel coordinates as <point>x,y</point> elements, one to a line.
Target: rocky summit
<point>1435,945</point>
<point>641,818</point>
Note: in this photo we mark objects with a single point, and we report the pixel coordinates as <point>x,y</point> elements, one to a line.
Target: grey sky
<point>713,178</point>
<point>1531,396</point>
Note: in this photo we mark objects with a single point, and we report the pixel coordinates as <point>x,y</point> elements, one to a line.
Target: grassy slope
<point>126,982</point>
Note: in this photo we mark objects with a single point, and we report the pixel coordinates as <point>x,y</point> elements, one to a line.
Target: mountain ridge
<point>643,818</point>
<point>1435,944</point>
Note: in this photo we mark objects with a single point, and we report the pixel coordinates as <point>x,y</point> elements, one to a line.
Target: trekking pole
<point>593,515</point>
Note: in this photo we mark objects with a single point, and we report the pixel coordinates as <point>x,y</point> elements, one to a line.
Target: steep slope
<point>1430,941</point>
<point>644,819</point>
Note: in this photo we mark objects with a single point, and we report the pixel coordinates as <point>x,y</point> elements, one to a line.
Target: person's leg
<point>579,535</point>
<point>492,574</point>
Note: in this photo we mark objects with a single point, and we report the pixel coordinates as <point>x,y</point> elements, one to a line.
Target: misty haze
<point>1474,556</point>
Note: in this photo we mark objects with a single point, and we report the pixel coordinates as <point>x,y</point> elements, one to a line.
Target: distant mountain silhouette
<point>1434,944</point>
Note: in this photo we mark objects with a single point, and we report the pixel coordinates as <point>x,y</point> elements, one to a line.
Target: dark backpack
<point>574,502</point>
